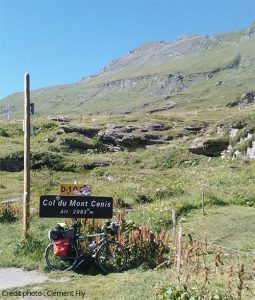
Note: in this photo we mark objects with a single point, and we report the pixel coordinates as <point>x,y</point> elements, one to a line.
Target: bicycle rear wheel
<point>111,257</point>
<point>61,263</point>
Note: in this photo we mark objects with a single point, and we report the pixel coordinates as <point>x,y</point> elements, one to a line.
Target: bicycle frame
<point>81,237</point>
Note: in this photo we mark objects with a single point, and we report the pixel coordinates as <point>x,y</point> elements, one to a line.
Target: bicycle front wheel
<point>61,263</point>
<point>111,257</point>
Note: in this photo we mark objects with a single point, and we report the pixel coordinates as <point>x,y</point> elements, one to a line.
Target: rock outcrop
<point>167,106</point>
<point>118,137</point>
<point>89,132</point>
<point>245,100</point>
<point>209,147</point>
<point>167,83</point>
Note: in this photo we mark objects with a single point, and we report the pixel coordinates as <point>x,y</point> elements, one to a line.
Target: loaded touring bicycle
<point>64,253</point>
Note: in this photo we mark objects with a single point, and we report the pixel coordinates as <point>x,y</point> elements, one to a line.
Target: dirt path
<point>14,277</point>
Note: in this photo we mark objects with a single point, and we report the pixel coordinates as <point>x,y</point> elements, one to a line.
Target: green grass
<point>228,226</point>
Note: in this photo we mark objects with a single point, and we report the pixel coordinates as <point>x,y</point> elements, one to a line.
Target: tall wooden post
<point>26,198</point>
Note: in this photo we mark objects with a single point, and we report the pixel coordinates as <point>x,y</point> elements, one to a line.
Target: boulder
<point>251,151</point>
<point>112,148</point>
<point>169,137</point>
<point>60,119</point>
<point>149,137</point>
<point>233,132</point>
<point>93,165</point>
<point>144,129</point>
<point>209,147</point>
<point>132,142</point>
<point>129,128</point>
<point>193,129</point>
<point>89,132</point>
<point>111,137</point>
<point>154,127</point>
<point>50,139</point>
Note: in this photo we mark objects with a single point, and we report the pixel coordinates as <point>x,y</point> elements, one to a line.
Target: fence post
<point>179,254</point>
<point>203,202</point>
<point>174,224</point>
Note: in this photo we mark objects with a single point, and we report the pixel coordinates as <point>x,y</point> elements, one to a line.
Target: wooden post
<point>203,202</point>
<point>8,113</point>
<point>26,203</point>
<point>174,225</point>
<point>179,254</point>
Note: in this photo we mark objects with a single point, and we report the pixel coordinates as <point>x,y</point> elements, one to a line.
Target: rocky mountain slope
<point>194,71</point>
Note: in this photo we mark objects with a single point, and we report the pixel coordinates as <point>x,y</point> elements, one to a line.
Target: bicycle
<point>109,254</point>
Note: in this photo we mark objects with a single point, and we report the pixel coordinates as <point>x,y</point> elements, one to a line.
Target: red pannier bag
<point>60,247</point>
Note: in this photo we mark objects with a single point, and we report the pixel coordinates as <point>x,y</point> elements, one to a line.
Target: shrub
<point>143,198</point>
<point>70,144</point>
<point>185,208</point>
<point>214,200</point>
<point>45,159</point>
<point>169,163</point>
<point>173,292</point>
<point>244,146</point>
<point>8,214</point>
<point>242,198</point>
<point>19,155</point>
<point>144,246</point>
<point>3,132</point>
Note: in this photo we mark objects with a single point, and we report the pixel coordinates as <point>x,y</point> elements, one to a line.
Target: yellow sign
<point>69,189</point>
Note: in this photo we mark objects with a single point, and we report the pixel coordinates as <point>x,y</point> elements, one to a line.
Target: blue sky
<point>61,41</point>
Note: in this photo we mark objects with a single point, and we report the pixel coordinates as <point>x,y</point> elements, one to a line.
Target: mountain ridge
<point>205,69</point>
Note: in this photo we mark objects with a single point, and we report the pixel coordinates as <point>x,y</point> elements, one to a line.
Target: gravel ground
<point>14,277</point>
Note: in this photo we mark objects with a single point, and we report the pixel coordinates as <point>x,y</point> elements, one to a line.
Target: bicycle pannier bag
<point>55,234</point>
<point>60,247</point>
